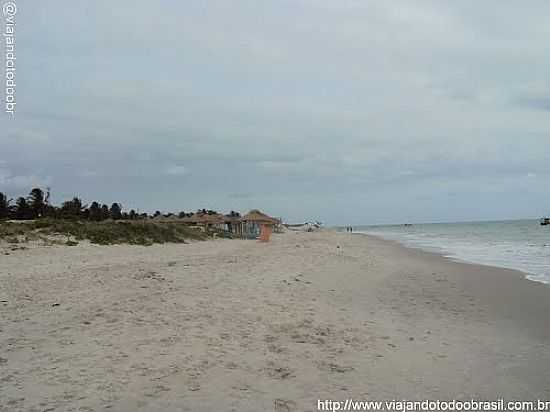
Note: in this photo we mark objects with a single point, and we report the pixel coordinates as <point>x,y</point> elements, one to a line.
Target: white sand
<point>233,325</point>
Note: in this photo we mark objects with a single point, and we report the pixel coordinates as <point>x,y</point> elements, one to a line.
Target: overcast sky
<point>342,111</point>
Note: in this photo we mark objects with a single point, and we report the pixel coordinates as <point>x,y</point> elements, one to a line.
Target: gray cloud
<point>376,111</point>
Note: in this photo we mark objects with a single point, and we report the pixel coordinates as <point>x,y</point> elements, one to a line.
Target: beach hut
<point>256,224</point>
<point>166,219</point>
<point>206,221</point>
<point>233,224</point>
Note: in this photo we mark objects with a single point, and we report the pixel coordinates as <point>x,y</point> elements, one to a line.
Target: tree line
<point>37,205</point>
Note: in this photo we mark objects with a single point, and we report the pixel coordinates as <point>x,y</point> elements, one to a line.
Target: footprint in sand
<point>276,349</point>
<point>334,368</point>
<point>278,372</point>
<point>281,405</point>
<point>231,365</point>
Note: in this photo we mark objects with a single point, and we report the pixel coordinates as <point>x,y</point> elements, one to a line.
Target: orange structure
<point>265,233</point>
<point>256,224</point>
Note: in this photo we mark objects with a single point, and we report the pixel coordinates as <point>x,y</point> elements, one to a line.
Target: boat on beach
<point>544,221</point>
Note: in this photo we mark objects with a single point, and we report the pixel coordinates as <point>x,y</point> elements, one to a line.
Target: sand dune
<point>235,325</point>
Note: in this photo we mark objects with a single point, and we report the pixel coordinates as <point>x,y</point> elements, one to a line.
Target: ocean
<point>519,244</point>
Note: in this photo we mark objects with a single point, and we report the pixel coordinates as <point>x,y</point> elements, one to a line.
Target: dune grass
<point>102,233</point>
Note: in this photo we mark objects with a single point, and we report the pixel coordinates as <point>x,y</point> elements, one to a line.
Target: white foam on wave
<point>516,245</point>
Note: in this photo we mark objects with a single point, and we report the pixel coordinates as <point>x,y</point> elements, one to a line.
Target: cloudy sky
<point>343,111</point>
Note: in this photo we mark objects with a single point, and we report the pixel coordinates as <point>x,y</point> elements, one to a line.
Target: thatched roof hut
<point>166,219</point>
<point>204,219</point>
<point>255,216</point>
<point>256,224</point>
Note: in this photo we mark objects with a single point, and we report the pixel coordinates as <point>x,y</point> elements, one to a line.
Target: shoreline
<point>527,275</point>
<point>256,326</point>
<point>513,283</point>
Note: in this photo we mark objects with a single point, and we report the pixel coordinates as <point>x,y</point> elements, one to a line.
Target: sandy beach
<point>235,325</point>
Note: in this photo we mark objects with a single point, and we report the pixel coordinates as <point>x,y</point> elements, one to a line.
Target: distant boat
<point>545,221</point>
<point>305,227</point>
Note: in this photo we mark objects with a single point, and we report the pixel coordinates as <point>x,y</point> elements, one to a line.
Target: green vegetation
<point>37,206</point>
<point>35,218</point>
<point>103,233</point>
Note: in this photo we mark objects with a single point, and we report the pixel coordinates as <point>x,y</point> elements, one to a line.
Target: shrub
<point>107,232</point>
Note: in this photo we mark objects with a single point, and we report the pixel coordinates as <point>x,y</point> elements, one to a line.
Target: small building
<point>256,224</point>
<point>166,219</point>
<point>206,221</point>
<point>233,224</point>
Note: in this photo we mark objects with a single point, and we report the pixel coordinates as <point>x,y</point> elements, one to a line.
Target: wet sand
<point>235,325</point>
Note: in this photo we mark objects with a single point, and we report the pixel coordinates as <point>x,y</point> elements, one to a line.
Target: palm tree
<point>4,206</point>
<point>116,211</point>
<point>49,209</point>
<point>22,209</point>
<point>36,202</point>
<point>105,214</point>
<point>95,212</point>
<point>72,208</point>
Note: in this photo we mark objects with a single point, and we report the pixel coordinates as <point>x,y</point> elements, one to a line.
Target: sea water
<point>520,244</point>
